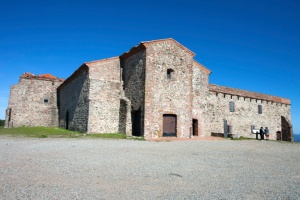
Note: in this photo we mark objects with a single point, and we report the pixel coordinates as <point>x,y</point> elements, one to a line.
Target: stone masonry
<point>156,89</point>
<point>32,102</point>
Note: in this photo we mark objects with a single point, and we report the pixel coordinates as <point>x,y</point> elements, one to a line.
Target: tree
<point>2,122</point>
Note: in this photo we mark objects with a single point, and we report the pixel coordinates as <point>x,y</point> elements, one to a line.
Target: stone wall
<point>73,101</point>
<point>104,96</point>
<point>131,94</point>
<point>32,101</point>
<point>200,92</point>
<point>168,94</point>
<point>133,76</point>
<point>245,111</point>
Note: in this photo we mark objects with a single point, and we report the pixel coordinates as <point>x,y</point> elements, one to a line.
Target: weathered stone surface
<point>245,114</point>
<point>168,95</point>
<point>73,102</point>
<point>133,75</point>
<point>104,96</point>
<point>32,101</point>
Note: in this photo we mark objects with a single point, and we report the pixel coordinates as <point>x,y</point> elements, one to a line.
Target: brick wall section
<point>168,96</point>
<point>73,101</point>
<point>32,101</point>
<point>104,96</point>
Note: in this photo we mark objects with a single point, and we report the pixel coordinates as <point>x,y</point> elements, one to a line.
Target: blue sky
<point>252,45</point>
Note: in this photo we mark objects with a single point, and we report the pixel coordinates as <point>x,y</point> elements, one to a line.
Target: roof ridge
<point>173,40</point>
<point>101,60</point>
<point>202,66</point>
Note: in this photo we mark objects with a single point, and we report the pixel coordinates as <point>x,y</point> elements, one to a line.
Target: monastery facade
<point>155,90</point>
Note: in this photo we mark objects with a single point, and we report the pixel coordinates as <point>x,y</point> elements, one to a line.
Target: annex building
<point>154,90</point>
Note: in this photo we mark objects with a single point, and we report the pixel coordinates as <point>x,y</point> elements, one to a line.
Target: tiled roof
<point>29,75</point>
<point>247,94</point>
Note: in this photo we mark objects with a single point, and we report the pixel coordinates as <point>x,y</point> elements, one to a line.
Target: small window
<point>259,109</point>
<point>231,106</point>
<point>170,72</point>
<point>46,101</point>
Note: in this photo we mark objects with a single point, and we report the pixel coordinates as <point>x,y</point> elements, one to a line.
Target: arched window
<point>170,72</point>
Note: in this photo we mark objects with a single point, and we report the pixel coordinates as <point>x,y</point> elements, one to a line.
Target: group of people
<point>262,133</point>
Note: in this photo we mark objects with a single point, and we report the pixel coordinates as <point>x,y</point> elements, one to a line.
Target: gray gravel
<point>126,169</point>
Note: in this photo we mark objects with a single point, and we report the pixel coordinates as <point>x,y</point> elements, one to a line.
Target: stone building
<point>32,101</point>
<point>156,89</point>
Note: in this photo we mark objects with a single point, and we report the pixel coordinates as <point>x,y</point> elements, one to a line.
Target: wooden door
<point>169,126</point>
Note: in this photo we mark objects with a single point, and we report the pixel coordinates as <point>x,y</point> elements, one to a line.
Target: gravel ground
<point>125,169</point>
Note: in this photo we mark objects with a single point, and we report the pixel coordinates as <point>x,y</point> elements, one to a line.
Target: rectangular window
<point>259,109</point>
<point>231,106</point>
<point>169,73</point>
<point>45,100</point>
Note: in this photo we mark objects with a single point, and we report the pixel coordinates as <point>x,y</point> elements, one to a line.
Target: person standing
<point>261,132</point>
<point>267,133</point>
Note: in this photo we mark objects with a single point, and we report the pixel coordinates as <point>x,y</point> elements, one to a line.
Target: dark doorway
<point>285,130</point>
<point>67,120</point>
<point>122,116</point>
<point>195,127</point>
<point>136,122</point>
<point>169,126</point>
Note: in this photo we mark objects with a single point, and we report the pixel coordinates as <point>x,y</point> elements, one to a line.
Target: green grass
<point>54,132</point>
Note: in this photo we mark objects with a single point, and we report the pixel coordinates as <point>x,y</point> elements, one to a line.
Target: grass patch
<point>38,132</point>
<point>54,132</point>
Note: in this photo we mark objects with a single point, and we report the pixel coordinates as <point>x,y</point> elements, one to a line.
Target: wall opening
<point>231,106</point>
<point>259,109</point>
<point>169,125</point>
<point>67,120</point>
<point>195,127</point>
<point>136,121</point>
<point>122,116</point>
<point>9,115</point>
<point>286,131</point>
<point>170,73</point>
